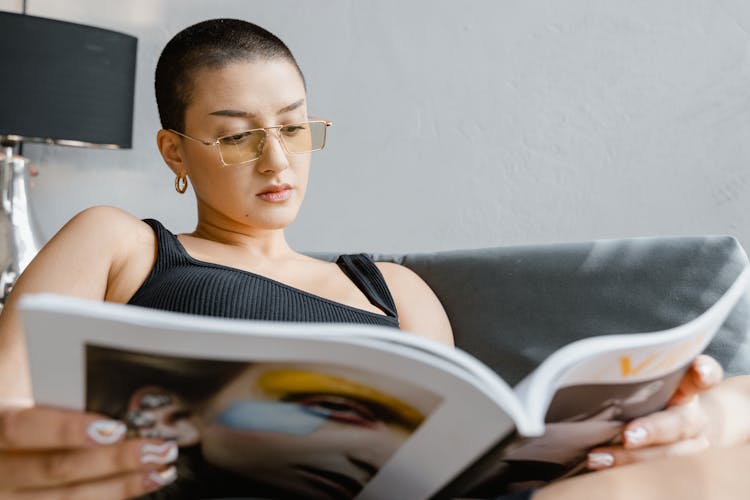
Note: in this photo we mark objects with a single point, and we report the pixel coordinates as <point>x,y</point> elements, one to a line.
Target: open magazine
<point>279,410</point>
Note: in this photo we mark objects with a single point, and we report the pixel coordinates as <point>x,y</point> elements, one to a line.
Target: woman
<point>232,103</point>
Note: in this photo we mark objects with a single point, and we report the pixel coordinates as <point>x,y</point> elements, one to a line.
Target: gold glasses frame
<point>266,130</point>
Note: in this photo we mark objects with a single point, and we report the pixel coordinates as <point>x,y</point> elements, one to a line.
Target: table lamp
<point>63,83</point>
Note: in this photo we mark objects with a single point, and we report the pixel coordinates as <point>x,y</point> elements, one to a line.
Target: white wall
<point>465,124</point>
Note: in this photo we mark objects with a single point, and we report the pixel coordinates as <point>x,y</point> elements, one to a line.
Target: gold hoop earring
<point>181,183</point>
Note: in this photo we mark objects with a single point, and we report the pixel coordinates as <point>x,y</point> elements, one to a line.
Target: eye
<point>340,409</point>
<point>237,139</point>
<point>292,130</point>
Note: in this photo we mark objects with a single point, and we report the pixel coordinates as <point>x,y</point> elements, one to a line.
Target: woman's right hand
<point>50,453</point>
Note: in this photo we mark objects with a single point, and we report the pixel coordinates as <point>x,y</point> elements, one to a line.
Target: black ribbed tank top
<point>180,283</point>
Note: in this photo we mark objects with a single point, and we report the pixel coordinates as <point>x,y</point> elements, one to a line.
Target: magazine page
<point>262,408</point>
<point>586,391</point>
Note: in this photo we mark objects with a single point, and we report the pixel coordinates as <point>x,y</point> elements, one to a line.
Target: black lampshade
<point>65,83</point>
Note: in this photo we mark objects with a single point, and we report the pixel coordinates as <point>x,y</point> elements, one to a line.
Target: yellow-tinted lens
<point>248,146</point>
<point>296,137</point>
<point>303,137</point>
<point>242,147</point>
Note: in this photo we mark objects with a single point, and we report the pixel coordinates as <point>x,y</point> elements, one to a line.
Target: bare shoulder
<point>419,309</point>
<point>106,220</point>
<point>400,276</point>
<point>129,242</point>
<point>79,259</point>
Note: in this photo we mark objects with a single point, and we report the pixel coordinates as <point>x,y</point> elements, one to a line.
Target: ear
<point>158,413</point>
<point>170,147</point>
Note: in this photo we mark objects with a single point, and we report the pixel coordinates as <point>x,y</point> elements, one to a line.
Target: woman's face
<point>314,432</point>
<point>235,98</point>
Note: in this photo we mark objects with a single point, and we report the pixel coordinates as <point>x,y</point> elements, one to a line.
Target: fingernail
<point>635,436</point>
<point>106,431</point>
<point>706,371</point>
<point>162,477</point>
<point>140,419</point>
<point>154,401</point>
<point>600,460</point>
<point>159,453</point>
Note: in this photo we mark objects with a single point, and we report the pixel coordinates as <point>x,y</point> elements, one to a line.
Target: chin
<point>277,218</point>
<point>273,222</point>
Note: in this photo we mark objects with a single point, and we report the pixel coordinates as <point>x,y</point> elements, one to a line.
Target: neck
<point>257,242</point>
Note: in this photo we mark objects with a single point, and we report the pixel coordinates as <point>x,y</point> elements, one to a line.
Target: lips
<point>276,193</point>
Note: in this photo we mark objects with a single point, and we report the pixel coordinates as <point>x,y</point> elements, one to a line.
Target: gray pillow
<point>513,306</point>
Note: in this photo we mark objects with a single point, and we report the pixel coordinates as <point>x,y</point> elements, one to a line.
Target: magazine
<point>279,410</point>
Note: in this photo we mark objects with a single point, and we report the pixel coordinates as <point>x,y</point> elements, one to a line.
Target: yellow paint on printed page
<point>628,370</point>
<point>658,363</point>
<point>636,363</point>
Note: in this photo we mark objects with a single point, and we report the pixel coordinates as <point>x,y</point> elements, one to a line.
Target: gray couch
<point>513,306</point>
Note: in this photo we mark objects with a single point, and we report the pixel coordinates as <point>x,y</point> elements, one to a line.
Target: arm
<point>715,473</point>
<point>675,439</point>
<point>77,261</point>
<point>61,453</point>
<point>419,310</point>
<point>71,263</point>
<point>728,407</point>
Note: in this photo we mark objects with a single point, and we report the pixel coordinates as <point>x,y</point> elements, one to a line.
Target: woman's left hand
<point>683,427</point>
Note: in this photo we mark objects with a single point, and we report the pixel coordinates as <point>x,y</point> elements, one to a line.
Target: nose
<point>273,157</point>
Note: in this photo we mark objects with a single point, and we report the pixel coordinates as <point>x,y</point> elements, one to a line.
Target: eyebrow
<point>235,113</point>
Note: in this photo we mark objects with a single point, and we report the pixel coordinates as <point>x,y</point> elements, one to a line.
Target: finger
<point>612,456</point>
<point>704,373</point>
<point>49,468</point>
<point>42,427</point>
<point>676,423</point>
<point>133,484</point>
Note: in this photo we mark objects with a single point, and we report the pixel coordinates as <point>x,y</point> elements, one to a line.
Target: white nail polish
<point>635,436</point>
<point>706,371</point>
<point>159,453</point>
<point>162,478</point>
<point>600,460</point>
<point>106,431</point>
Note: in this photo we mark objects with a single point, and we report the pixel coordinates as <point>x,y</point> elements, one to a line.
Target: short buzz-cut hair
<point>209,44</point>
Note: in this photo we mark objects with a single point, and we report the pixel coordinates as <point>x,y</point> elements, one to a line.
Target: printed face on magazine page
<point>312,431</point>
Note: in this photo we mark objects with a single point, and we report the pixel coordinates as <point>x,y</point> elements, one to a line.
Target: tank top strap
<point>169,251</point>
<point>361,269</point>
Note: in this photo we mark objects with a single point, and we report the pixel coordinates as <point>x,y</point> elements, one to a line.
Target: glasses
<point>247,146</point>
